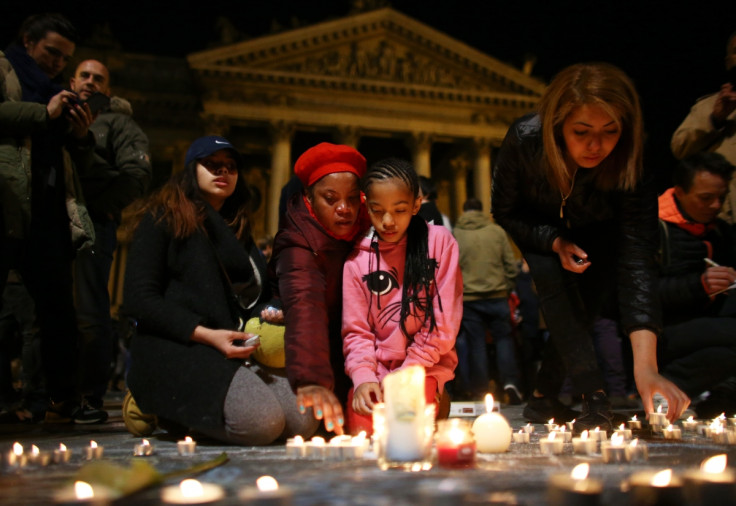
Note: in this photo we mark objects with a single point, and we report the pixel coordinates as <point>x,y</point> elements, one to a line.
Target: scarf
<point>36,85</point>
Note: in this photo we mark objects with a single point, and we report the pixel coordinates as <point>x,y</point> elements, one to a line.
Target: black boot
<point>596,413</point>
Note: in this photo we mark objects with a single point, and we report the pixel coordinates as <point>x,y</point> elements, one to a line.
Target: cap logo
<point>220,142</point>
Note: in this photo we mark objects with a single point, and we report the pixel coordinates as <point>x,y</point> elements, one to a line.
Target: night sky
<point>672,49</point>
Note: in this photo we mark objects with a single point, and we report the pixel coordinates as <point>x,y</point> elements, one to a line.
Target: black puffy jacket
<point>524,204</point>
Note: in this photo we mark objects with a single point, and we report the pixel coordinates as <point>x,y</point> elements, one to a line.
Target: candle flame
<point>34,450</point>
<point>489,403</point>
<point>83,490</point>
<point>617,439</point>
<point>580,472</point>
<point>62,447</point>
<point>298,440</point>
<point>191,488</point>
<point>690,419</point>
<point>145,442</point>
<point>622,427</point>
<point>722,416</point>
<point>361,435</point>
<point>319,441</point>
<point>267,484</point>
<point>659,408</point>
<point>551,421</point>
<point>714,465</point>
<point>456,435</point>
<point>715,424</point>
<point>551,436</point>
<point>93,444</point>
<point>573,421</point>
<point>17,448</point>
<point>662,478</point>
<point>597,429</point>
<point>669,428</point>
<point>584,435</point>
<point>188,439</point>
<point>521,431</point>
<point>633,418</point>
<point>562,429</point>
<point>634,443</point>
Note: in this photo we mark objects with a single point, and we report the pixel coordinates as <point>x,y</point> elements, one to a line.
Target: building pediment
<point>382,46</point>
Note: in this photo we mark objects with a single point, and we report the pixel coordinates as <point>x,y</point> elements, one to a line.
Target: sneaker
<point>74,412</point>
<point>542,409</point>
<point>513,396</point>
<point>596,413</point>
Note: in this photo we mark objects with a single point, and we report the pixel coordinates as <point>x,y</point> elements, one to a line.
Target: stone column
<point>281,134</point>
<point>460,186</point>
<point>482,172</point>
<point>421,148</point>
<point>348,135</point>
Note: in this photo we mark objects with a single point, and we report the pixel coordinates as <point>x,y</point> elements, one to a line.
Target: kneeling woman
<point>191,250</point>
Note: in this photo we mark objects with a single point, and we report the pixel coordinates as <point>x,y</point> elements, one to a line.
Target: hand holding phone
<point>247,343</point>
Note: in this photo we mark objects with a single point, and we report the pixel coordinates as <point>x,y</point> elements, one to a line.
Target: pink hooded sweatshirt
<point>373,342</point>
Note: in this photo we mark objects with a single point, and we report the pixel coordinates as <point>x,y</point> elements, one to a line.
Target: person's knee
<point>261,427</point>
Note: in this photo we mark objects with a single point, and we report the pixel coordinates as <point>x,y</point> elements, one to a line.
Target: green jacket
<point>18,120</point>
<point>486,258</point>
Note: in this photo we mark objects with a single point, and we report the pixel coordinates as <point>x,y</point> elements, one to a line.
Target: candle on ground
<point>528,428</point>
<point>690,424</point>
<point>624,432</point>
<point>672,432</point>
<point>455,444</point>
<point>82,492</point>
<point>143,449</point>
<point>295,447</point>
<point>186,446</point>
<point>39,458</point>
<point>267,492</point>
<point>62,454</point>
<point>93,451</point>
<point>658,419</point>
<point>634,424</point>
<point>614,451</point>
<point>521,436</point>
<point>551,426</point>
<point>637,451</point>
<point>192,492</point>
<point>552,445</point>
<point>16,457</point>
<point>713,483</point>
<point>650,487</point>
<point>491,430</point>
<point>584,445</point>
<point>574,488</point>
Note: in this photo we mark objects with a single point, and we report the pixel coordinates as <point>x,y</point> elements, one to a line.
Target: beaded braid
<point>419,268</point>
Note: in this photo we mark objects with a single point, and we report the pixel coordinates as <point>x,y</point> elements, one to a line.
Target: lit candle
<point>713,483</point>
<point>551,445</point>
<point>624,432</point>
<point>455,444</point>
<point>93,451</point>
<point>574,488</point>
<point>82,492</point>
<point>634,424</point>
<point>584,445</point>
<point>564,435</point>
<point>521,436</point>
<point>38,457</point>
<point>570,425</point>
<point>719,435</point>
<point>267,492</point>
<point>356,446</point>
<point>491,430</point>
<point>143,449</point>
<point>672,432</point>
<point>637,451</point>
<point>192,492</point>
<point>658,419</point>
<point>316,448</point>
<point>528,428</point>
<point>186,446</point>
<point>295,447</point>
<point>614,451</point>
<point>334,449</point>
<point>16,457</point>
<point>690,424</point>
<point>62,454</point>
<point>732,421</point>
<point>598,435</point>
<point>551,426</point>
<point>649,487</point>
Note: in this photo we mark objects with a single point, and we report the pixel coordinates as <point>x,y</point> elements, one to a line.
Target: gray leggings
<point>260,408</point>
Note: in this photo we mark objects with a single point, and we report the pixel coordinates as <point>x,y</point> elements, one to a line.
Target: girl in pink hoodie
<point>402,293</point>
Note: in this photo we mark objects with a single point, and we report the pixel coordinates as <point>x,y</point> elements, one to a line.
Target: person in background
<point>429,210</point>
<point>489,269</point>
<point>569,188</point>
<point>118,173</point>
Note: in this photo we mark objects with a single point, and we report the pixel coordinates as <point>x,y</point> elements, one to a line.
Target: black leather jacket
<point>525,205</point>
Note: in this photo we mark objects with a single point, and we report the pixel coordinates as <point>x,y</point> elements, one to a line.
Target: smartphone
<point>256,339</point>
<point>97,102</point>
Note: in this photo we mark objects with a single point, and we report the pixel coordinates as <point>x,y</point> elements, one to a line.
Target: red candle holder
<point>455,444</point>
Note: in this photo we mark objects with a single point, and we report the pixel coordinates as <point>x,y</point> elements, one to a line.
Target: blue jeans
<point>97,346</point>
<point>479,316</point>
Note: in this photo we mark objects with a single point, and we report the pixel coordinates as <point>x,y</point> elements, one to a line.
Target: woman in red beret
<point>318,232</point>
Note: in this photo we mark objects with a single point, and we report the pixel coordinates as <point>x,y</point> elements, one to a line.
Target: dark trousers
<point>570,304</point>
<point>97,344</point>
<point>698,354</point>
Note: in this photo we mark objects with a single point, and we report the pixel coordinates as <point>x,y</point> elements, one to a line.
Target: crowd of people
<point>611,287</point>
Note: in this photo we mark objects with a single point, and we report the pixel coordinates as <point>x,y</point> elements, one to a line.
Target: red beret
<point>326,158</point>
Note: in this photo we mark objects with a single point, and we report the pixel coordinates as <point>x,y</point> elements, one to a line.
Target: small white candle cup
<point>316,448</point>
<point>672,432</point>
<point>39,458</point>
<point>528,428</point>
<point>192,492</point>
<point>16,457</point>
<point>551,426</point>
<point>713,483</point>
<point>186,446</point>
<point>654,487</point>
<point>574,488</point>
<point>598,435</point>
<point>690,425</point>
<point>570,425</point>
<point>634,424</point>
<point>584,445</point>
<point>84,493</point>
<point>563,434</point>
<point>143,449</point>
<point>658,419</point>
<point>521,436</point>
<point>295,447</point>
<point>637,451</point>
<point>614,451</point>
<point>267,492</point>
<point>62,454</point>
<point>625,433</point>
<point>551,445</point>
<point>93,451</point>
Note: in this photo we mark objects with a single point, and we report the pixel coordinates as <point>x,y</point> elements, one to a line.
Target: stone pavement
<point>517,477</point>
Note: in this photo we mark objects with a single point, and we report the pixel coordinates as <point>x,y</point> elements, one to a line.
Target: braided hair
<point>419,268</point>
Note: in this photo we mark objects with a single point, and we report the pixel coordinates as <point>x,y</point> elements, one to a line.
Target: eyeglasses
<point>213,166</point>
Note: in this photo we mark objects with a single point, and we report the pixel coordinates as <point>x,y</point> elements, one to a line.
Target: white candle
<point>528,428</point>
<point>584,445</point>
<point>316,448</point>
<point>570,425</point>
<point>634,424</point>
<point>672,432</point>
<point>82,492</point>
<point>690,424</point>
<point>551,445</point>
<point>267,492</point>
<point>598,435</point>
<point>712,483</point>
<point>551,426</point>
<point>575,488</point>
<point>295,447</point>
<point>521,436</point>
<point>16,457</point>
<point>564,435</point>
<point>637,451</point>
<point>62,454</point>
<point>186,446</point>
<point>192,492</point>
<point>38,457</point>
<point>491,431</point>
<point>658,418</point>
<point>614,451</point>
<point>93,451</point>
<point>624,432</point>
<point>143,449</point>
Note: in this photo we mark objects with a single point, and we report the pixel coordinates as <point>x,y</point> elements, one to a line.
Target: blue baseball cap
<point>205,146</point>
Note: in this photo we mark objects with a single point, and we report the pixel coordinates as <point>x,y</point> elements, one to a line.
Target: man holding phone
<point>711,126</point>
<point>119,173</point>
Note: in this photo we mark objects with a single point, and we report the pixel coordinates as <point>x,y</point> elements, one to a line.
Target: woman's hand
<point>227,342</point>
<point>324,404</point>
<point>363,398</point>
<point>80,118</point>
<point>649,381</point>
<point>273,315</point>
<point>572,258</point>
